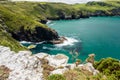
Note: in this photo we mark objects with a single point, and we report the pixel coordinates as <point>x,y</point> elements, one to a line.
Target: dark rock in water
<point>43,21</point>
<point>39,34</point>
<point>59,41</point>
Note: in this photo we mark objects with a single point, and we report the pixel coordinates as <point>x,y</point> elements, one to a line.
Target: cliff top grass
<point>100,5</point>
<point>16,17</point>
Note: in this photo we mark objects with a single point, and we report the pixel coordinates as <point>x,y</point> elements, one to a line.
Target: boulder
<point>58,71</point>
<point>57,60</point>
<point>88,67</point>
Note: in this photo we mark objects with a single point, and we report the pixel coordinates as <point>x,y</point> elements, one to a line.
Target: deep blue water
<point>98,35</point>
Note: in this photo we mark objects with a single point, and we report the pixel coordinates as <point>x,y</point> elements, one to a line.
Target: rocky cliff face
<point>24,66</point>
<point>39,34</point>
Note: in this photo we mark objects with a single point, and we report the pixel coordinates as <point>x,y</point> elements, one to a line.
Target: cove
<point>98,35</point>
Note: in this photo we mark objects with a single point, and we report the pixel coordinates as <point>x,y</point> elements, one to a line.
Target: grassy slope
<point>17,15</point>
<point>7,40</point>
<point>109,5</point>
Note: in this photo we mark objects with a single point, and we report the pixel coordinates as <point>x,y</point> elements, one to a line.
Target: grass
<point>93,8</point>
<point>8,41</point>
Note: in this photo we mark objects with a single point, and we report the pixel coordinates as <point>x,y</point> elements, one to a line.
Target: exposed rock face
<point>4,72</point>
<point>54,60</point>
<point>89,67</point>
<point>39,34</point>
<point>92,3</point>
<point>23,66</point>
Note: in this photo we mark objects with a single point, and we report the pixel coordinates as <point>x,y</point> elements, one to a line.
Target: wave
<point>23,42</point>
<point>68,42</point>
<point>40,42</point>
<point>49,21</point>
<point>27,42</point>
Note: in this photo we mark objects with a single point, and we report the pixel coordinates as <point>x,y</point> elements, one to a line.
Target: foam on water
<point>23,42</point>
<point>69,41</point>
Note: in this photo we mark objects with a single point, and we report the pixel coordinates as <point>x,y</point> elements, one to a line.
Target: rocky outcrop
<point>4,72</point>
<point>92,3</point>
<point>25,66</point>
<point>39,34</point>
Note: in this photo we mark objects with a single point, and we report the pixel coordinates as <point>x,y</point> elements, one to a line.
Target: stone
<point>23,65</point>
<point>59,71</point>
<point>57,60</point>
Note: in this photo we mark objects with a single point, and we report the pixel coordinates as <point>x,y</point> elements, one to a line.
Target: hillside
<point>26,21</point>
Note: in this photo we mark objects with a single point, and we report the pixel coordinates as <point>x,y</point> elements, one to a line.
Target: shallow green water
<point>99,35</point>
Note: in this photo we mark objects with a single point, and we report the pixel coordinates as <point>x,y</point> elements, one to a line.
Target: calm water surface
<point>98,35</point>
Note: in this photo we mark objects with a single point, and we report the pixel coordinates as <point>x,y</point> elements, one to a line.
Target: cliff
<point>23,65</point>
<point>26,21</point>
<point>41,66</point>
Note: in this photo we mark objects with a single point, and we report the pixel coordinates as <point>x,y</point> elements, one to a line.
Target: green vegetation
<point>99,8</point>
<point>56,77</point>
<point>109,67</point>
<point>7,40</point>
<point>109,70</point>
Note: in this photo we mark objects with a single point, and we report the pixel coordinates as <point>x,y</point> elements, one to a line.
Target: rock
<point>57,60</point>
<point>59,71</point>
<point>91,58</point>
<point>39,34</point>
<point>71,66</point>
<point>41,55</point>
<point>88,67</point>
<point>4,72</point>
<point>23,66</point>
<point>59,41</point>
<point>92,3</point>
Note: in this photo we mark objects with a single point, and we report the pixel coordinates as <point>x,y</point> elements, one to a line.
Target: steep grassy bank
<point>103,8</point>
<point>7,40</point>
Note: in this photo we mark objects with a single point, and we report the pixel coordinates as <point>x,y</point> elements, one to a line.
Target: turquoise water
<point>98,35</point>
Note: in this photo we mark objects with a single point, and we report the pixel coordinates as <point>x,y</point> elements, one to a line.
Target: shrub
<point>109,66</point>
<point>56,77</point>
